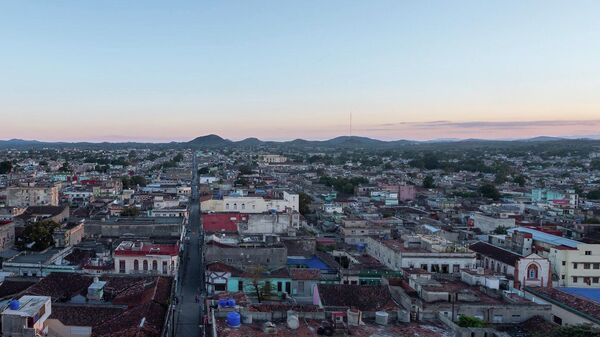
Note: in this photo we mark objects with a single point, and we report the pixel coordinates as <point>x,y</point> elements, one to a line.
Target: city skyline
<point>113,71</point>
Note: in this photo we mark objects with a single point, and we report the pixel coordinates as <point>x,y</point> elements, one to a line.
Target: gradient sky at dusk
<point>173,70</point>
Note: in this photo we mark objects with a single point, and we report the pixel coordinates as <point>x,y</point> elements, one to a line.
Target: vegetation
<point>489,191</point>
<point>470,322</point>
<point>594,195</point>
<point>520,180</point>
<point>130,211</point>
<point>428,182</point>
<point>37,236</point>
<point>572,331</point>
<point>304,202</point>
<point>343,185</point>
<point>5,167</point>
<point>134,181</point>
<point>500,230</point>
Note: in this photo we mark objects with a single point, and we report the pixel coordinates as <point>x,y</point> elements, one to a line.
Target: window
<point>574,265</point>
<point>564,263</point>
<point>145,264</point>
<point>587,280</point>
<point>164,267</point>
<point>574,279</point>
<point>279,286</point>
<point>121,266</point>
<point>595,279</point>
<point>596,265</point>
<point>240,285</point>
<point>136,265</point>
<point>532,272</point>
<point>562,277</point>
<point>588,252</point>
<point>586,266</point>
<point>288,287</point>
<point>155,265</point>
<point>220,287</point>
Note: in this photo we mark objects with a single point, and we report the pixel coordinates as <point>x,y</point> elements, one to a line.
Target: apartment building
<point>32,195</point>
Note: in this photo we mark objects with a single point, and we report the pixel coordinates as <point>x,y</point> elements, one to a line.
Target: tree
<point>5,167</point>
<point>178,157</point>
<point>304,202</point>
<point>489,191</point>
<point>37,236</point>
<point>245,169</point>
<point>470,322</point>
<point>428,182</point>
<point>131,182</point>
<point>65,167</point>
<point>594,195</point>
<point>520,180</point>
<point>500,230</point>
<point>203,170</point>
<point>130,211</point>
<point>573,331</point>
<point>595,164</point>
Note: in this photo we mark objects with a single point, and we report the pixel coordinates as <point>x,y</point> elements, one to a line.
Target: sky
<point>145,70</point>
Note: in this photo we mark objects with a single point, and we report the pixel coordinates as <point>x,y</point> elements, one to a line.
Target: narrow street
<point>191,288</point>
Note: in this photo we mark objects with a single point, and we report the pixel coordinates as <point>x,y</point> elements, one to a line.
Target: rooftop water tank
<point>14,304</point>
<point>381,317</point>
<point>233,319</point>
<point>292,320</point>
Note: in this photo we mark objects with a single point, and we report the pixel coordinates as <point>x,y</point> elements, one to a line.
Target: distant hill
<point>342,142</point>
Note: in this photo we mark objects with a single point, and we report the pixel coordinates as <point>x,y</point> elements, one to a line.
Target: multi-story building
<point>576,266</point>
<point>252,204</point>
<point>430,253</point>
<point>146,258</point>
<point>32,195</point>
<point>273,159</point>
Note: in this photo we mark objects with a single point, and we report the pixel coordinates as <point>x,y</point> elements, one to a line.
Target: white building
<point>252,204</point>
<point>25,317</point>
<point>430,253</point>
<point>146,258</point>
<point>23,196</point>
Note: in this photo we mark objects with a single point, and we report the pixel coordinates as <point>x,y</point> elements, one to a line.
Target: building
<point>245,255</point>
<point>488,224</point>
<point>427,252</point>
<point>32,195</point>
<point>153,227</point>
<point>273,159</point>
<point>26,316</point>
<point>525,271</point>
<point>570,306</point>
<point>7,234</point>
<point>69,235</point>
<point>136,257</point>
<point>252,204</point>
<point>271,223</point>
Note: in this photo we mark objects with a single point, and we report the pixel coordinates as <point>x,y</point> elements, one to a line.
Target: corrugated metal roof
<point>547,238</point>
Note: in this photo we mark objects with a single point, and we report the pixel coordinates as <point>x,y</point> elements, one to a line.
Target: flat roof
<point>545,237</point>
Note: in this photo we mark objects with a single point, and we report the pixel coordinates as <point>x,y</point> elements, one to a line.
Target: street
<point>191,288</point>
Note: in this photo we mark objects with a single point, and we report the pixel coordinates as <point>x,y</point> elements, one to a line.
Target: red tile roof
<point>222,222</point>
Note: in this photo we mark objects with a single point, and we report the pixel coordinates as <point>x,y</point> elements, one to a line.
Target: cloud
<point>485,125</point>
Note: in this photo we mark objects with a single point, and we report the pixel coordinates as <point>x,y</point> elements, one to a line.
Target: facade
<point>280,223</point>
<point>146,258</point>
<point>252,204</point>
<point>487,224</point>
<point>171,227</point>
<point>273,159</point>
<point>24,196</point>
<point>246,255</point>
<point>426,252</point>
<point>7,234</point>
<point>576,267</point>
<point>27,317</point>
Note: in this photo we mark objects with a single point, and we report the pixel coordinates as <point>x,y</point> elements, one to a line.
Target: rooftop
<point>547,238</point>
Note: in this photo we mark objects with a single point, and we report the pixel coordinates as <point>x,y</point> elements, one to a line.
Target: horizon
<point>114,71</point>
<point>440,140</point>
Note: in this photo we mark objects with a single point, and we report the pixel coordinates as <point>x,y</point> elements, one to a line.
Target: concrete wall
<point>241,257</point>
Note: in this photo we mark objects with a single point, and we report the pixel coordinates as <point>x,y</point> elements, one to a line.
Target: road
<point>191,287</point>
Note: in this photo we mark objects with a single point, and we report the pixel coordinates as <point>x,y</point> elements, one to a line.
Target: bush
<point>470,322</point>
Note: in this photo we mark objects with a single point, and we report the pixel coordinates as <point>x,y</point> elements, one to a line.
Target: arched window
<point>227,206</point>
<point>136,265</point>
<point>145,264</point>
<point>234,206</point>
<point>155,265</point>
<point>532,272</point>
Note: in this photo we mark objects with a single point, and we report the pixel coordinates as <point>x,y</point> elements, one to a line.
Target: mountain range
<point>215,141</point>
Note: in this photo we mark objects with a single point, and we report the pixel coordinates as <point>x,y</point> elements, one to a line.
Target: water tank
<point>222,303</point>
<point>381,318</point>
<point>353,317</point>
<point>14,304</point>
<point>230,302</point>
<point>233,319</point>
<point>292,320</point>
